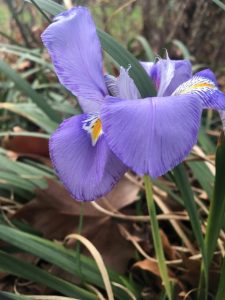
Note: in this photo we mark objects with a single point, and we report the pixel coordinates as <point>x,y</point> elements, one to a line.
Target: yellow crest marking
<point>96,131</point>
<point>202,85</point>
<point>196,85</point>
<point>93,126</point>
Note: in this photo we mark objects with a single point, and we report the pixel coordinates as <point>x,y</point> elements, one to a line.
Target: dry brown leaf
<point>123,194</point>
<point>24,65</point>
<point>56,198</point>
<point>191,275</point>
<point>169,251</point>
<point>151,266</point>
<point>54,213</point>
<point>26,144</point>
<point>192,272</point>
<point>148,265</point>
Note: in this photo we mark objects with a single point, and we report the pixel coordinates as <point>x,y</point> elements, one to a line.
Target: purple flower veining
<point>118,130</point>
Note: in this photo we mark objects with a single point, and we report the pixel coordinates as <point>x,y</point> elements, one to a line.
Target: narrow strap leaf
<point>221,288</point>
<point>24,86</point>
<point>217,207</point>
<point>25,270</point>
<point>183,185</point>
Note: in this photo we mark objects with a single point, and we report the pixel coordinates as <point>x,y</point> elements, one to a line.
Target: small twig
<point>175,225</point>
<point>166,216</point>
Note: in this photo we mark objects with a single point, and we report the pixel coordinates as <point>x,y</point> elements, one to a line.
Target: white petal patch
<point>196,85</point>
<point>126,86</point>
<point>147,66</point>
<point>123,86</point>
<point>93,126</point>
<point>167,69</point>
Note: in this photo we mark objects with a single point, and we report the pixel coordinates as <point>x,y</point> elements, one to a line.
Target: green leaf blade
<point>24,86</point>
<point>62,257</point>
<point>27,271</point>
<point>217,207</point>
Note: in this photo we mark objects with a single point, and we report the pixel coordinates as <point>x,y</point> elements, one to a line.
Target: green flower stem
<point>216,211</point>
<point>203,284</point>
<point>156,237</point>
<point>79,230</point>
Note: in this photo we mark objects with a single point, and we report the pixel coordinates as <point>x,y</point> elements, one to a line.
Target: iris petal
<point>111,84</point>
<point>75,51</point>
<point>147,65</point>
<point>159,70</point>
<point>218,98</point>
<point>205,88</point>
<point>126,86</point>
<point>93,126</point>
<point>152,135</point>
<point>166,71</point>
<point>182,73</point>
<point>122,86</point>
<point>207,73</point>
<point>88,172</point>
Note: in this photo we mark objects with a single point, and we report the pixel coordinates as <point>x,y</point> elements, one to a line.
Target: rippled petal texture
<point>74,47</point>
<point>111,84</point>
<point>87,171</point>
<point>152,135</point>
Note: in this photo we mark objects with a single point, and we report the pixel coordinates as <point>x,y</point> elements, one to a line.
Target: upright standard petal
<point>122,86</point>
<point>168,74</point>
<point>126,86</point>
<point>152,135</point>
<point>182,73</point>
<point>75,50</point>
<point>87,170</point>
<point>147,65</point>
<point>206,88</point>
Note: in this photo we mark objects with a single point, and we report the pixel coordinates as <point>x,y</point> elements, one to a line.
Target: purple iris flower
<point>91,152</point>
